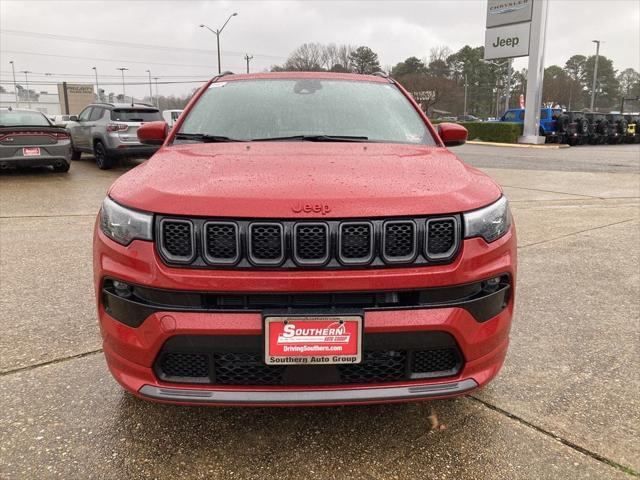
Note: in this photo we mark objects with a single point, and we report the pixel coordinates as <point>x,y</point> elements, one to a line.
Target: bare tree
<point>308,57</point>
<point>439,53</point>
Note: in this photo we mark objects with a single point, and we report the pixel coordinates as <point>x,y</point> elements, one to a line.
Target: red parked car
<point>304,239</point>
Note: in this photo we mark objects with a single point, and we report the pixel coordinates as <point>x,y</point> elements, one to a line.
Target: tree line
<point>438,80</point>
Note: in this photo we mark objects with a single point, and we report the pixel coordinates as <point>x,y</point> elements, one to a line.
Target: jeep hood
<point>277,179</point>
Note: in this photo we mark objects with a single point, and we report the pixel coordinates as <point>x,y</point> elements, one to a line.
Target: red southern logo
<point>322,208</point>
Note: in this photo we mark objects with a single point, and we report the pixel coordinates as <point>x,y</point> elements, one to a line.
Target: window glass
<point>264,109</point>
<point>84,116</point>
<point>11,118</point>
<point>96,113</point>
<point>135,115</point>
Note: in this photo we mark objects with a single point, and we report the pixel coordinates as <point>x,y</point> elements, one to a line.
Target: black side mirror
<point>73,118</point>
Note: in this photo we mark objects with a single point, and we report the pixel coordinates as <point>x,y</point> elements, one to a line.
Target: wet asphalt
<point>566,404</point>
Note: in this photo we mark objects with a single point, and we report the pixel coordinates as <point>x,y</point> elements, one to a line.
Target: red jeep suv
<point>304,239</point>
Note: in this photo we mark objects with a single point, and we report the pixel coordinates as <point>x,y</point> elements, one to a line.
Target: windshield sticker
<point>217,84</point>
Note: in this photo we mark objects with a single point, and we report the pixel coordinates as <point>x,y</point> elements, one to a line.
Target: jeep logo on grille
<point>322,208</point>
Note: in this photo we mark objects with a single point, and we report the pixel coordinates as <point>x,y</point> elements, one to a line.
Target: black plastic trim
<point>483,302</point>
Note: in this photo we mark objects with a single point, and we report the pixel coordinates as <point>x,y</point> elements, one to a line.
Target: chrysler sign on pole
<point>517,28</point>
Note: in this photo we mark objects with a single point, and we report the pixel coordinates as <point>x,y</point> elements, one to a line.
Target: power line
<point>142,62</point>
<point>49,74</point>
<point>7,82</point>
<point>116,43</point>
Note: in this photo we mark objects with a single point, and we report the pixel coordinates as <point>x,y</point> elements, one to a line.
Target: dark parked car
<point>29,139</point>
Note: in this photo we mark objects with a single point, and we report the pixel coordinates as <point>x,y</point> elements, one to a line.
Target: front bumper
<point>131,352</point>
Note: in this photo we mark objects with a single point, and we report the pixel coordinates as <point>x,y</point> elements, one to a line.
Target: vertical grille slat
<point>266,243</point>
<point>221,242</point>
<point>311,243</point>
<point>441,237</point>
<point>399,241</point>
<point>356,242</point>
<point>178,240</point>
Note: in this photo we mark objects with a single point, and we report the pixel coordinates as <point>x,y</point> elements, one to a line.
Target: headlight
<point>124,225</point>
<point>490,222</point>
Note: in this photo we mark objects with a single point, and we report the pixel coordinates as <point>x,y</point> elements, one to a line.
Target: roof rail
<point>103,103</point>
<point>226,72</point>
<point>381,73</point>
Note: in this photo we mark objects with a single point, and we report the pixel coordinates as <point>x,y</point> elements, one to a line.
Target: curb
<point>519,145</point>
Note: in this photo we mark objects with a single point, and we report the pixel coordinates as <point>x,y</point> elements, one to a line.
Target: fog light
<point>492,284</point>
<point>122,289</point>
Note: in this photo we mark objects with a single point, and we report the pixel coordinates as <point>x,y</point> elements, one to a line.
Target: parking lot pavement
<point>565,405</point>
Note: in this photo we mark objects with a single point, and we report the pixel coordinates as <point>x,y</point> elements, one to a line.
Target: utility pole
<point>157,97</point>
<point>595,74</point>
<point>465,95</point>
<point>217,34</point>
<point>150,92</point>
<point>15,90</point>
<point>122,70</point>
<point>97,86</point>
<point>26,79</point>
<point>247,58</point>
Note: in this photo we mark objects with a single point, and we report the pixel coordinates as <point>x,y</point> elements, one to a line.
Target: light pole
<point>122,70</point>
<point>15,90</point>
<point>247,58</point>
<point>465,95</point>
<point>595,74</point>
<point>157,97</point>
<point>150,92</point>
<point>26,79</point>
<point>508,86</point>
<point>217,33</point>
<point>97,86</point>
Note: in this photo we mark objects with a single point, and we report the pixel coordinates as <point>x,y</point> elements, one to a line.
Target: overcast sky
<point>163,36</point>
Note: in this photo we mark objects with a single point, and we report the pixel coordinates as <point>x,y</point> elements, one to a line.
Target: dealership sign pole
<point>517,28</point>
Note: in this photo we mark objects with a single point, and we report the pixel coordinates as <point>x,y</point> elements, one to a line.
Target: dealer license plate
<point>313,340</point>
<point>31,151</point>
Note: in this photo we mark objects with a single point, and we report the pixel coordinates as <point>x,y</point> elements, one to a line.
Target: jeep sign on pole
<point>517,28</point>
<point>507,42</point>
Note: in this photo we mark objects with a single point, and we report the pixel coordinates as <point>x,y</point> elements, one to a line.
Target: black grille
<point>245,369</point>
<point>356,242</point>
<point>265,242</point>
<point>376,366</point>
<point>248,368</point>
<point>311,242</point>
<point>290,244</point>
<point>429,361</point>
<point>399,240</point>
<point>441,236</point>
<point>221,242</point>
<point>187,365</point>
<point>177,239</point>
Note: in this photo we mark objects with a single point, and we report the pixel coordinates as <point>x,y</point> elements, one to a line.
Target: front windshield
<point>20,118</point>
<point>271,109</point>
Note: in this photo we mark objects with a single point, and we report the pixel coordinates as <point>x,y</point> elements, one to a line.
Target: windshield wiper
<point>314,138</point>
<point>205,138</point>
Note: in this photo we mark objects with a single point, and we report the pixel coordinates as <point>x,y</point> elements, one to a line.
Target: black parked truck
<point>577,130</point>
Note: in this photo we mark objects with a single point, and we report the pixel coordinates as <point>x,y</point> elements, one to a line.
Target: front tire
<point>103,160</point>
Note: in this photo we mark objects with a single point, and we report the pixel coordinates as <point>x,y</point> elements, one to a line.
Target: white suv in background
<point>108,130</point>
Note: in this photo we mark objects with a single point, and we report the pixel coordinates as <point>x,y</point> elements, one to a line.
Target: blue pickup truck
<point>548,120</point>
